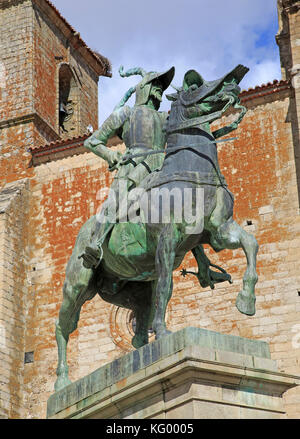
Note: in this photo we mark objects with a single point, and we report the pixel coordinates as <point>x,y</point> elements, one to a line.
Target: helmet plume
<point>131,72</point>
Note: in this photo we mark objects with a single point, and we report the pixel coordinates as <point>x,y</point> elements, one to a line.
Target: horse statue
<point>139,256</point>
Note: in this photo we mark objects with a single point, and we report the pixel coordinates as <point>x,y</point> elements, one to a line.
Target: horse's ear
<point>173,97</point>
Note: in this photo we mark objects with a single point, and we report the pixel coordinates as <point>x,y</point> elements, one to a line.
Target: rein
<point>126,158</point>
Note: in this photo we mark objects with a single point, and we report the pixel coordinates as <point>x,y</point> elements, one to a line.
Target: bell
<point>62,108</point>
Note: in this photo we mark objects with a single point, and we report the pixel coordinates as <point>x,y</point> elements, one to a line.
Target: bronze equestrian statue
<point>132,265</point>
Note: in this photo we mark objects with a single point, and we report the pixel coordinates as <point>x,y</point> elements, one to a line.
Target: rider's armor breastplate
<point>145,130</point>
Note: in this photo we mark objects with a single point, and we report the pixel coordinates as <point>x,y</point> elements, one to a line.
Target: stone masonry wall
<point>13,298</point>
<point>16,56</point>
<point>14,158</point>
<point>288,39</point>
<point>16,100</point>
<point>295,76</point>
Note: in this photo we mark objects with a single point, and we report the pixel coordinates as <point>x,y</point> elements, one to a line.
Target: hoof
<point>137,342</point>
<point>161,334</point>
<point>245,303</point>
<point>61,382</point>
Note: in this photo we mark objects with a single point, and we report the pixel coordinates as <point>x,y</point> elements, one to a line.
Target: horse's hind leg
<point>77,289</point>
<point>165,256</point>
<point>231,236</point>
<point>74,296</point>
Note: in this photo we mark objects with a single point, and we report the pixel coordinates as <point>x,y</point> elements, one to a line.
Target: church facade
<point>50,185</point>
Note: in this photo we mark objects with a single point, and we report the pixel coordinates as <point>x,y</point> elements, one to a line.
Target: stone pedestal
<point>190,374</point>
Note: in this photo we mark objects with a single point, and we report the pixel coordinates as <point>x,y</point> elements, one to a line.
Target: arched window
<point>68,102</point>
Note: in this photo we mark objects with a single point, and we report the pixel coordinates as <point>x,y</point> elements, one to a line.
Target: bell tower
<point>48,82</point>
<point>288,40</point>
<point>288,37</point>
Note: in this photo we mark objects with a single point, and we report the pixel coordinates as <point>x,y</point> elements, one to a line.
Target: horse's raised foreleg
<point>231,236</point>
<point>165,255</point>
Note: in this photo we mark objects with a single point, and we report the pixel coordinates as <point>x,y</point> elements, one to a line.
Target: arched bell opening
<point>68,116</point>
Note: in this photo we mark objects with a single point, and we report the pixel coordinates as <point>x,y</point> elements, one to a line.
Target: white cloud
<point>211,37</point>
<point>262,73</point>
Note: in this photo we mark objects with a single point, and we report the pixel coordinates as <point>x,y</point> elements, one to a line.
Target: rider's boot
<point>93,253</point>
<point>205,275</point>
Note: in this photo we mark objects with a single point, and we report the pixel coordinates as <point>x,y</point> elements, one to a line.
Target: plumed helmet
<point>143,88</point>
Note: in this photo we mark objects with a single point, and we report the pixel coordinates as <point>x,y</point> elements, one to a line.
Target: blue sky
<point>210,37</point>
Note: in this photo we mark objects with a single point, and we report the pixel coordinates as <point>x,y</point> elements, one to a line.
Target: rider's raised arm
<point>225,130</point>
<point>233,126</point>
<point>98,140</point>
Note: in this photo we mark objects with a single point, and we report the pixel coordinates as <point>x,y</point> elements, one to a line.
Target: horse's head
<point>199,98</point>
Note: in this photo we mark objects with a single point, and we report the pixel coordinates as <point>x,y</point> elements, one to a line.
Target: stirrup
<point>99,246</point>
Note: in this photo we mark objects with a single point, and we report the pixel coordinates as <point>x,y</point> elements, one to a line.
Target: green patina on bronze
<point>131,264</point>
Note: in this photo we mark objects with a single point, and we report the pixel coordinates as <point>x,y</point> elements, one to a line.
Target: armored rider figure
<point>142,130</point>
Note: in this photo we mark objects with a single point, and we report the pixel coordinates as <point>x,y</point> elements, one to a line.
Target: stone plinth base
<point>190,374</point>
